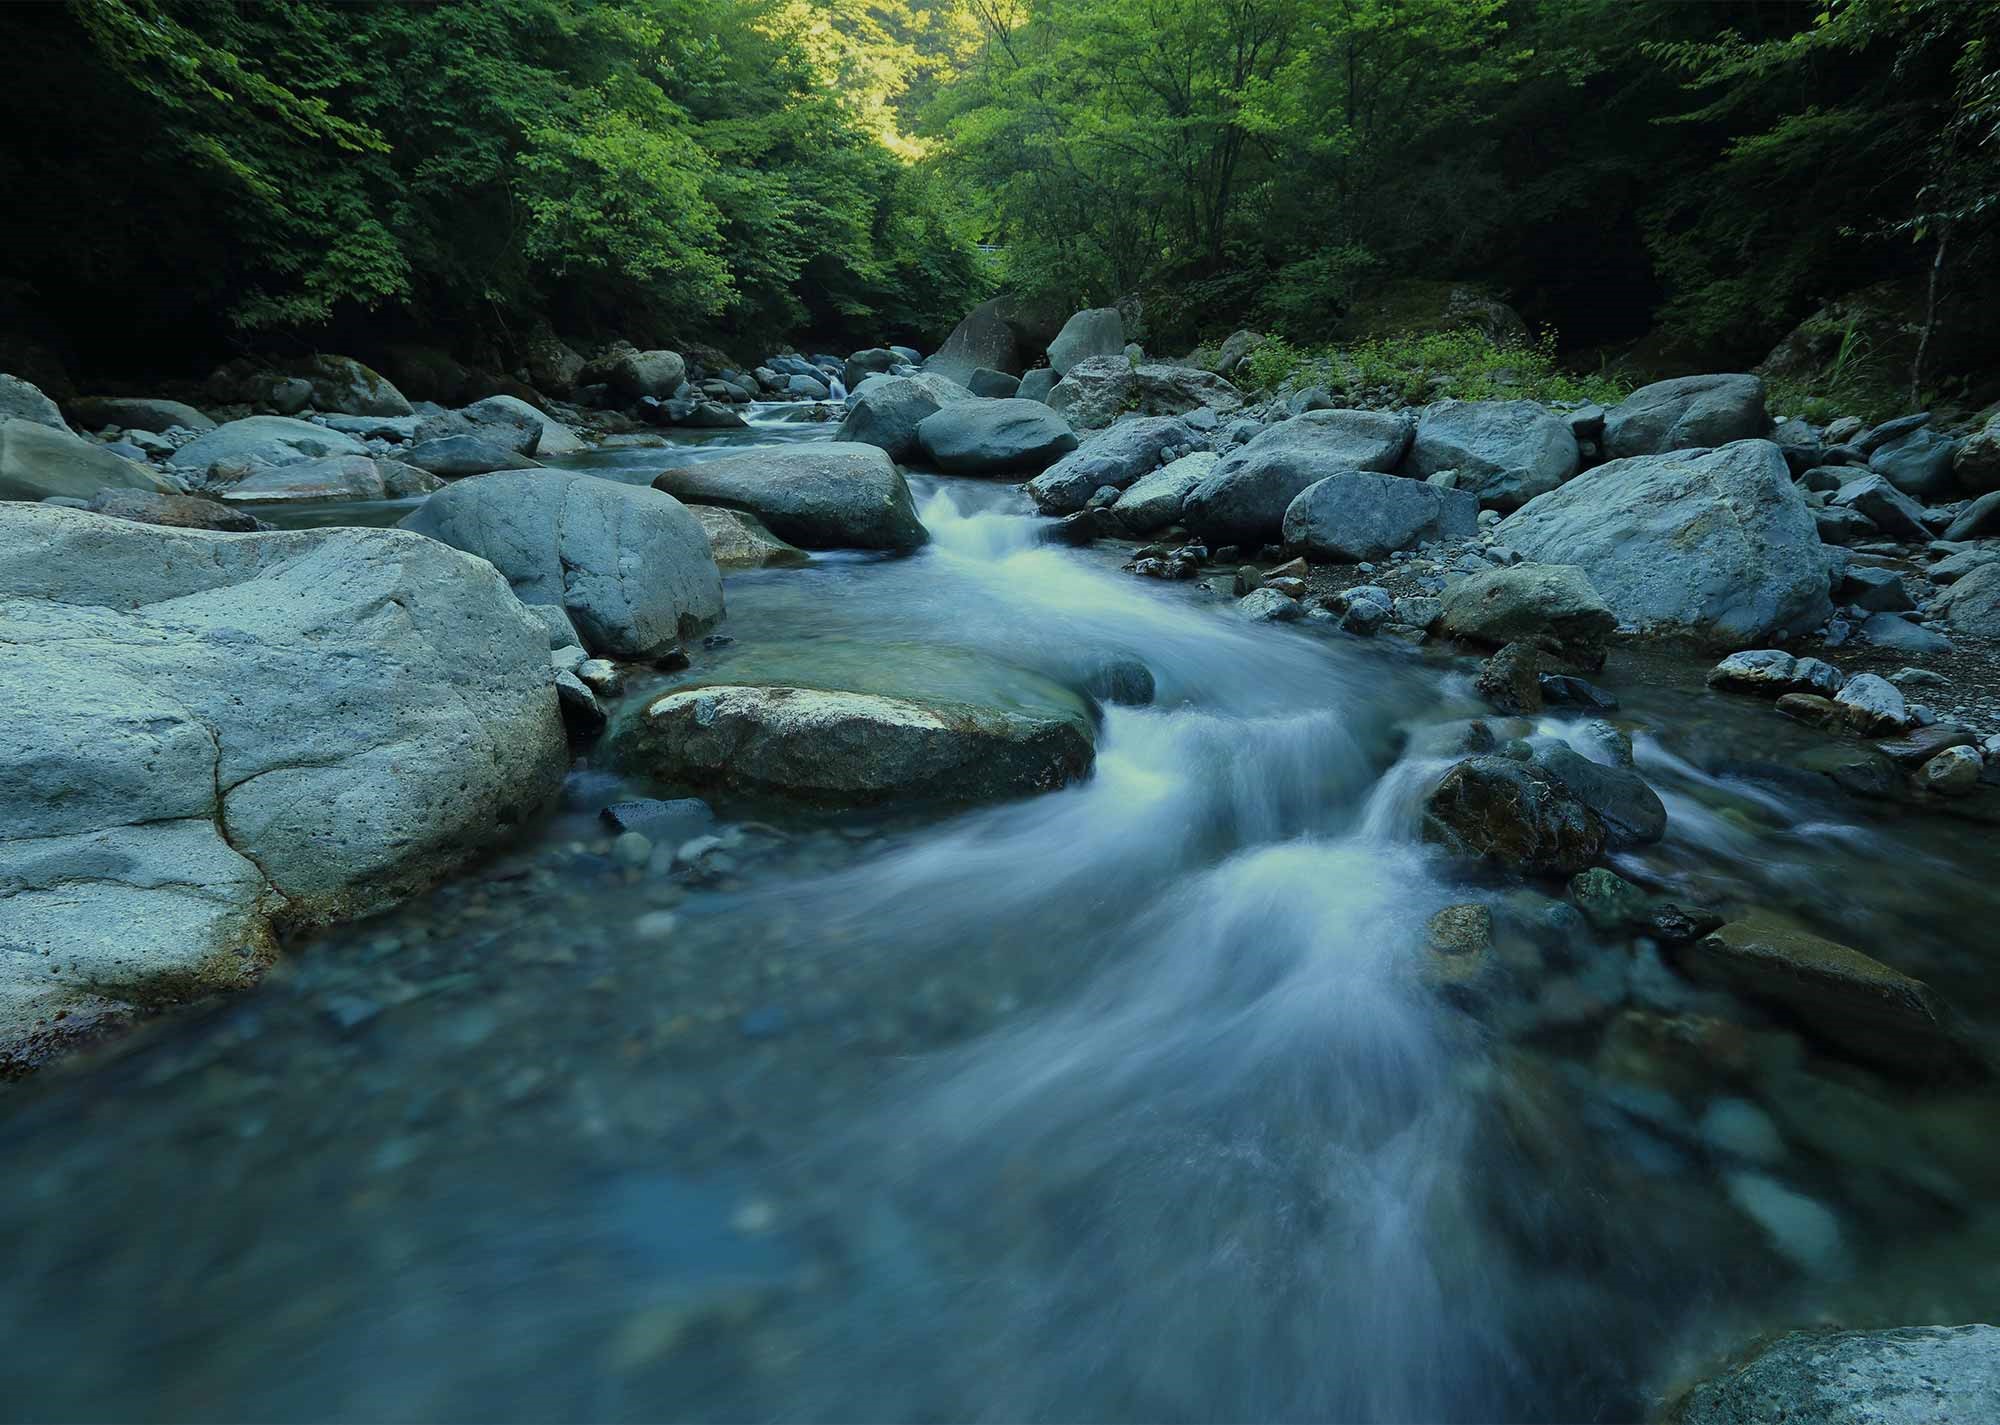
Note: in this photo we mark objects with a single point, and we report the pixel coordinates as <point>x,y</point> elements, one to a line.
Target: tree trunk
<point>1930,318</point>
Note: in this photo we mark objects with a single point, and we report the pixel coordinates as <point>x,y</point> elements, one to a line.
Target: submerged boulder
<point>1115,457</point>
<point>37,461</point>
<point>210,738</point>
<point>1505,452</point>
<point>1838,994</point>
<point>821,496</point>
<point>1715,545</point>
<point>994,437</point>
<point>629,565</point>
<point>1686,413</point>
<point>1357,515</point>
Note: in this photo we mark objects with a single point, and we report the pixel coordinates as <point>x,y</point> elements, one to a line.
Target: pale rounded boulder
<point>630,565</point>
<point>208,738</point>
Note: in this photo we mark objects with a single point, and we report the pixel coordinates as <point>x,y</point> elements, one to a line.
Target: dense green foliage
<point>1720,166</point>
<point>662,167</point>
<point>1416,367</point>
<point>1705,174</point>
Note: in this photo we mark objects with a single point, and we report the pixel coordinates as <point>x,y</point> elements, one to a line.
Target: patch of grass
<point>1418,368</point>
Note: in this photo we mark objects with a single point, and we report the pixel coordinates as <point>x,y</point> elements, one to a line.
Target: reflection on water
<point>1138,1100</point>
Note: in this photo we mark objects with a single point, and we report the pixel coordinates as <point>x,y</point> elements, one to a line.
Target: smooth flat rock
<point>835,495</point>
<point>274,440</point>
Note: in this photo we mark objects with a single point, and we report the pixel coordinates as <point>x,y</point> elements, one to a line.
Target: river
<point>1133,1101</point>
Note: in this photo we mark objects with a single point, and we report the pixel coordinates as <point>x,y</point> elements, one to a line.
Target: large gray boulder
<point>630,566</point>
<point>1244,499</point>
<point>632,374</point>
<point>1887,508</point>
<point>1036,384</point>
<point>332,477</point>
<point>154,413</point>
<point>23,401</point>
<point>1912,1375</point>
<point>1686,413</point>
<point>549,436</point>
<point>273,440</point>
<point>833,496</point>
<point>1358,515</point>
<point>884,411</point>
<point>1715,545</point>
<point>1097,391</point>
<point>1505,452</point>
<point>209,739</point>
<point>37,461</point>
<point>340,383</point>
<point>1097,331</point>
<point>1000,437</point>
<point>985,338</point>
<point>934,727</point>
<point>863,364</point>
<point>1919,463</point>
<point>1116,457</point>
<point>1972,605</point>
<point>1153,501</point>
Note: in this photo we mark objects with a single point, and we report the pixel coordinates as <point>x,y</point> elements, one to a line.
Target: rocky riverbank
<point>225,736</point>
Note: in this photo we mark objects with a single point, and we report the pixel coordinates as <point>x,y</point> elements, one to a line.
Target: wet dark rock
<point>1631,811</point>
<point>1512,814</point>
<point>1955,772</point>
<point>1608,901</point>
<point>1566,690</point>
<point>1121,680</point>
<point>1511,680</point>
<point>1918,747</point>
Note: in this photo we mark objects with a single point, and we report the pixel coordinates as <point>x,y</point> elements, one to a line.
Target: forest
<point>1681,182</point>
<point>1000,710</point>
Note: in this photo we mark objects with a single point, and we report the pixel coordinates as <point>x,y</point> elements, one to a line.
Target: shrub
<point>1420,367</point>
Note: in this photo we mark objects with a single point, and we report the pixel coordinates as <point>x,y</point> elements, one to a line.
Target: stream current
<point>1139,1100</point>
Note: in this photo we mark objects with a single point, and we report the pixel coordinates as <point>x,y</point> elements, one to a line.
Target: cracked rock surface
<point>207,739</point>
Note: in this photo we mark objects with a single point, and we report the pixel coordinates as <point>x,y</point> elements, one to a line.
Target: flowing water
<point>1141,1100</point>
